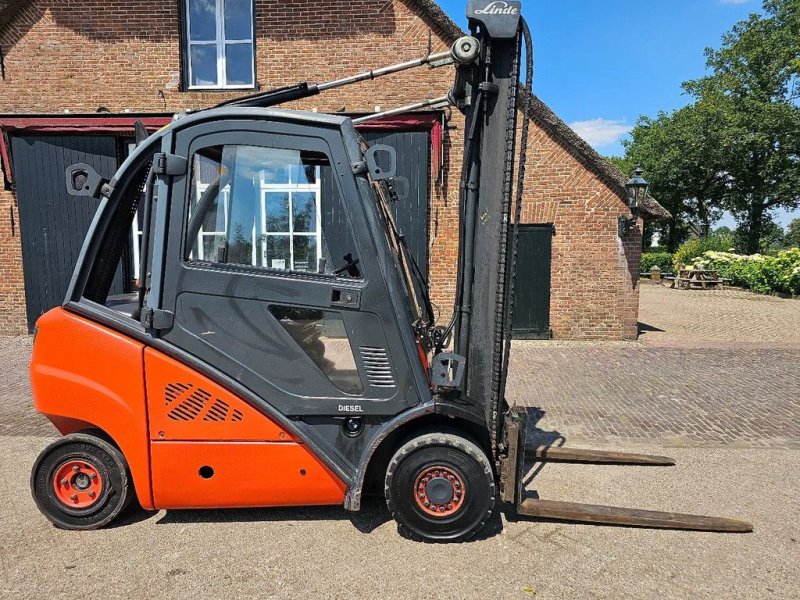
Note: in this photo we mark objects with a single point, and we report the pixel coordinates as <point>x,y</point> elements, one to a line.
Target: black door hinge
<point>157,319</point>
<point>169,164</point>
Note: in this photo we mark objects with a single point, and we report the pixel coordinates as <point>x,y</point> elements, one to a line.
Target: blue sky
<point>602,63</point>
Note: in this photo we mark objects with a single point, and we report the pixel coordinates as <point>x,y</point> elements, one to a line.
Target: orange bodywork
<point>84,376</point>
<point>183,405</point>
<point>189,443</point>
<point>241,474</point>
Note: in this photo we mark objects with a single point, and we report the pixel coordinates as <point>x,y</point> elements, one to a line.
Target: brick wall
<point>12,288</point>
<point>595,275</point>
<point>125,55</point>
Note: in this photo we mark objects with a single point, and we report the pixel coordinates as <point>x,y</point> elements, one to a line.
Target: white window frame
<point>220,42</point>
<point>202,233</point>
<point>291,188</point>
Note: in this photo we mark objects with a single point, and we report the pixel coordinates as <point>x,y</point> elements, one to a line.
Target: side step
<point>582,455</point>
<point>610,515</point>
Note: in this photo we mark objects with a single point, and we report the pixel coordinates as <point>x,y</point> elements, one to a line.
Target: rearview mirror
<point>83,180</point>
<point>388,162</point>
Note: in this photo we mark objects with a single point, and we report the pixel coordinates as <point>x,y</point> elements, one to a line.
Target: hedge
<point>716,242</point>
<point>662,260</point>
<point>763,274</point>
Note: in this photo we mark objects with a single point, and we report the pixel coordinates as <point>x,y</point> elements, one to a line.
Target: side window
<point>271,208</point>
<point>120,248</point>
<point>323,337</point>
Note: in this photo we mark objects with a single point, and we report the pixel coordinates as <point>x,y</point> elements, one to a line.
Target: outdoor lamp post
<point>637,188</point>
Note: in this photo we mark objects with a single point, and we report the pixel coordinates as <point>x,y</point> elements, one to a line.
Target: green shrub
<point>763,274</point>
<point>722,241</point>
<point>687,252</point>
<point>662,260</point>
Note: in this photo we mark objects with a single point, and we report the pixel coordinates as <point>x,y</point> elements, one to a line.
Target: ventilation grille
<point>185,402</point>
<point>376,364</point>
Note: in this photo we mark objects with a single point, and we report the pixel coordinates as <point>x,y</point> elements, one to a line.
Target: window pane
<point>202,20</point>
<point>245,209</point>
<point>214,248</point>
<point>204,64</point>
<point>239,64</point>
<point>304,207</point>
<point>277,207</point>
<point>215,218</point>
<point>278,255</point>
<point>304,174</point>
<point>206,201</point>
<point>238,21</point>
<point>305,253</point>
<point>322,336</point>
<point>275,168</point>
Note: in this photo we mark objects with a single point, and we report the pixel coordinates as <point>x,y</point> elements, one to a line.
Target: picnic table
<point>698,279</point>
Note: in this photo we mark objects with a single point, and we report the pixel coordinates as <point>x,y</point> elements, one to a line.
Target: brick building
<point>75,76</point>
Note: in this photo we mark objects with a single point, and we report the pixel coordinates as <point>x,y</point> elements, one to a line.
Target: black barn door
<point>53,224</point>
<point>413,172</point>
<point>532,285</point>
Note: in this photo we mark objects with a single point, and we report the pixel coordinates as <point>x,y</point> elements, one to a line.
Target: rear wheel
<point>81,482</point>
<point>440,488</point>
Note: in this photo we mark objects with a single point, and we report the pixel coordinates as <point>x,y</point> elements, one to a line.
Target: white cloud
<point>601,132</point>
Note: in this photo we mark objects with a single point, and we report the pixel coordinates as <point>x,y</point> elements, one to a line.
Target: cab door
<point>273,275</point>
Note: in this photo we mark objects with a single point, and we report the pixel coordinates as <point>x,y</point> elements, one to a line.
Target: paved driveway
<point>725,405</point>
<point>717,318</point>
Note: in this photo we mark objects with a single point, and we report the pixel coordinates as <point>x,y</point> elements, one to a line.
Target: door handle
<point>344,297</point>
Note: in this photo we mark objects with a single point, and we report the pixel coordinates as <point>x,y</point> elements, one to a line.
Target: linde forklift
<point>281,348</point>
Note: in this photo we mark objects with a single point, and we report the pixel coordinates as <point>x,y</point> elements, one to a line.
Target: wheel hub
<point>439,491</point>
<point>77,484</point>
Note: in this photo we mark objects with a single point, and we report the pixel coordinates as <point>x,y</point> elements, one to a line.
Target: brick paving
<point>713,318</point>
<point>715,367</point>
<point>724,371</point>
<point>631,393</point>
<point>16,412</point>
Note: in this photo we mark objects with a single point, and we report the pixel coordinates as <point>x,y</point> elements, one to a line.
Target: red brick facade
<point>125,55</point>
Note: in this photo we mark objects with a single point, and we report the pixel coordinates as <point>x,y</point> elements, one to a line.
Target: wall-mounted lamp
<point>637,188</point>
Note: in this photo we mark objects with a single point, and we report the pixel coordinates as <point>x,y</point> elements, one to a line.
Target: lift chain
<point>501,304</point>
<point>526,92</point>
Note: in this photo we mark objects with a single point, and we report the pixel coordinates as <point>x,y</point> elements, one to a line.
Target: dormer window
<point>219,46</point>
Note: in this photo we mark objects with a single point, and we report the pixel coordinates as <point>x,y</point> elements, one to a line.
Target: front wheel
<point>440,488</point>
<point>80,482</point>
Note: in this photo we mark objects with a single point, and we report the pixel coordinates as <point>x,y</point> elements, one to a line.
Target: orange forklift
<point>281,348</point>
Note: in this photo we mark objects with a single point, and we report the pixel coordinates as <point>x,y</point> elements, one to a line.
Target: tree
<point>772,237</point>
<point>681,154</point>
<point>748,92</point>
<point>792,237</point>
<point>724,230</point>
<point>623,163</point>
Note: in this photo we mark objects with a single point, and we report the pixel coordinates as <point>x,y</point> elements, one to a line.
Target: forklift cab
<point>273,286</point>
<point>269,257</point>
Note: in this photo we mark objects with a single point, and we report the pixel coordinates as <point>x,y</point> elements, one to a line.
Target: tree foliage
<point>792,237</point>
<point>682,155</point>
<point>736,147</point>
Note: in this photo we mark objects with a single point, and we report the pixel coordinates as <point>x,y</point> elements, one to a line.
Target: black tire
<point>454,458</point>
<point>107,462</point>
